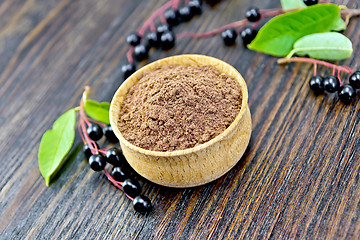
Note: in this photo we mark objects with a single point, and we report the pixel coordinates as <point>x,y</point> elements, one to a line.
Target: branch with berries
<point>56,143</point>
<point>319,39</point>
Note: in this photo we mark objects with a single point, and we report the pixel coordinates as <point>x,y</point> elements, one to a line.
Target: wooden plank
<point>299,177</point>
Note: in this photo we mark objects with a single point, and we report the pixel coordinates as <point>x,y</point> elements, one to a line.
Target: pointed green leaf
<point>292,4</point>
<point>56,143</point>
<point>326,46</point>
<point>98,111</point>
<point>340,25</point>
<point>278,36</point>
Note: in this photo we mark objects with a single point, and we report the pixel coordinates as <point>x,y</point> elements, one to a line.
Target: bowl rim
<point>172,60</point>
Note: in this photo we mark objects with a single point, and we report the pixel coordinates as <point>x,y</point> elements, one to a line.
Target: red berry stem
<point>339,77</point>
<point>83,120</point>
<point>274,12</point>
<point>91,143</point>
<point>103,151</point>
<point>335,67</point>
<point>97,122</point>
<point>116,183</point>
<point>175,5</point>
<point>155,15</point>
<point>236,24</point>
<point>313,61</point>
<point>265,13</point>
<point>129,55</point>
<point>81,135</point>
<point>315,69</point>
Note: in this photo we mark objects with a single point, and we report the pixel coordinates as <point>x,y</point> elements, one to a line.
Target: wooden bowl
<point>193,166</point>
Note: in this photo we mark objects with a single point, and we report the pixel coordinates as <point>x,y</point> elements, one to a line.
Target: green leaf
<point>326,46</point>
<point>292,4</point>
<point>278,36</point>
<point>56,143</point>
<point>98,111</point>
<point>340,25</point>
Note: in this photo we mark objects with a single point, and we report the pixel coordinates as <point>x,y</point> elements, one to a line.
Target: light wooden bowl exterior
<point>193,166</point>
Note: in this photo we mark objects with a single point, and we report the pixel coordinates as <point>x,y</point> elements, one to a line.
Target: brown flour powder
<point>178,107</point>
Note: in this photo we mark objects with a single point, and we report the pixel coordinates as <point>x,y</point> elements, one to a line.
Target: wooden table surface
<point>299,177</point>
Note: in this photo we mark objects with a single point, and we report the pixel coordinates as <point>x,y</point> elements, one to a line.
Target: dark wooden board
<point>299,177</point>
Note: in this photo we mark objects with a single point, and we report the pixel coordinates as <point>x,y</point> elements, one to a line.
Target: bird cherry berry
<point>128,69</point>
<point>247,35</point>
<point>133,39</point>
<point>131,187</point>
<point>162,29</point>
<point>229,37</point>
<point>94,131</point>
<point>354,80</point>
<point>331,84</point>
<point>185,13</point>
<point>346,93</point>
<point>195,7</point>
<point>167,40</point>
<point>153,39</point>
<point>141,52</point>
<point>316,84</point>
<point>109,134</point>
<point>253,14</point>
<point>87,150</point>
<point>172,17</point>
<point>120,174</point>
<point>97,162</point>
<point>142,204</point>
<point>115,157</point>
<point>310,2</point>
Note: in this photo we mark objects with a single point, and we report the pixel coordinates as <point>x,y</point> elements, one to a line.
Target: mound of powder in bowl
<point>178,107</point>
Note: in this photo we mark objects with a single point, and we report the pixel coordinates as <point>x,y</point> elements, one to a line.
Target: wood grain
<point>299,177</point>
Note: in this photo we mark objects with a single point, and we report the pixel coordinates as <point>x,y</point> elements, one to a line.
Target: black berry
<point>131,187</point>
<point>87,150</point>
<point>167,40</point>
<point>128,69</point>
<point>141,52</point>
<point>152,39</point>
<point>229,37</point>
<point>247,35</point>
<point>185,13</point>
<point>120,174</point>
<point>195,7</point>
<point>94,131</point>
<point>355,80</point>
<point>97,162</point>
<point>115,157</point>
<point>253,14</point>
<point>162,29</point>
<point>142,204</point>
<point>172,17</point>
<point>331,84</point>
<point>347,93</point>
<point>133,39</point>
<point>316,84</point>
<point>310,2</point>
<point>109,134</point>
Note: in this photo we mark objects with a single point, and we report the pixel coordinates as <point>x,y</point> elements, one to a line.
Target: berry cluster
<point>161,36</point>
<point>332,84</point>
<point>122,174</point>
<point>248,34</point>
